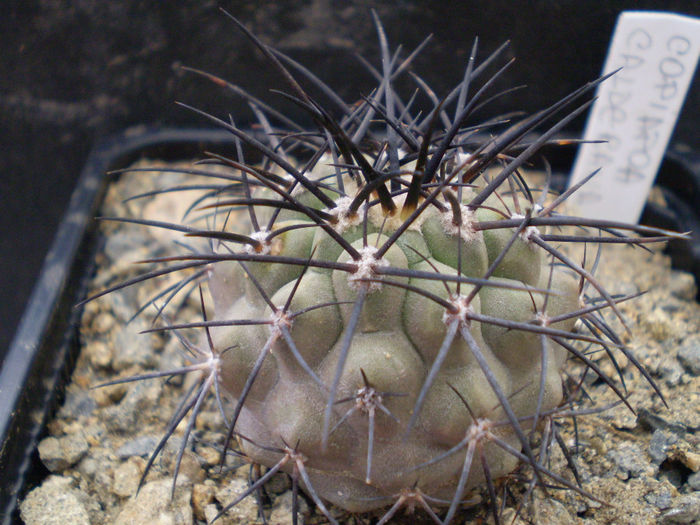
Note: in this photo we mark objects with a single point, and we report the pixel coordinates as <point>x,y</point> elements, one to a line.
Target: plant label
<point>635,112</point>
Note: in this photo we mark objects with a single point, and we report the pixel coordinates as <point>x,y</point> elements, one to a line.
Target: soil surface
<point>640,467</point>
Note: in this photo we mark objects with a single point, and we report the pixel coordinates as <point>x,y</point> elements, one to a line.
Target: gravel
<point>59,454</point>
<point>55,502</point>
<point>156,504</point>
<point>645,465</point>
<point>689,355</point>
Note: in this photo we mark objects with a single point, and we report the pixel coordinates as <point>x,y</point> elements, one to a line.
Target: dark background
<point>72,72</point>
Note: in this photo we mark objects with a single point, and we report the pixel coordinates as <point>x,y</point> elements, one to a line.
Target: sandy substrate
<point>643,467</point>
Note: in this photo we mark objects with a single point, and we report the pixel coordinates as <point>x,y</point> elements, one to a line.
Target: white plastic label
<point>635,112</point>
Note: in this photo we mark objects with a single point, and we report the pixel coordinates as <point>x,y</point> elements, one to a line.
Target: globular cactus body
<point>390,347</point>
<point>391,306</point>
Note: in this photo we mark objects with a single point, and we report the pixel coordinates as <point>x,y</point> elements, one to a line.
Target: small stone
<point>551,512</point>
<point>598,445</point>
<point>120,245</point>
<point>103,323</point>
<point>682,285</point>
<point>124,302</point>
<point>211,511</point>
<point>661,441</point>
<point>54,502</point>
<point>671,371</point>
<point>246,511</point>
<point>694,481</point>
<point>189,467</point>
<point>202,495</point>
<point>210,455</point>
<point>690,460</point>
<point>209,421</point>
<point>282,509</point>
<point>659,324</point>
<point>689,355</point>
<point>88,466</point>
<point>133,347</point>
<point>153,505</point>
<point>109,395</point>
<point>99,354</point>
<point>126,478</point>
<point>621,417</point>
<point>141,446</point>
<point>629,459</point>
<point>61,453</point>
<point>660,499</point>
<point>653,421</point>
<point>685,509</point>
<point>140,396</point>
<point>78,403</point>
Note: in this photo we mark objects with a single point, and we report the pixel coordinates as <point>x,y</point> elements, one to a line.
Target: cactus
<point>392,309</point>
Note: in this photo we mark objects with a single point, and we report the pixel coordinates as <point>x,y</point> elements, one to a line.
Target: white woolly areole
<point>366,269</point>
<point>321,169</point>
<point>280,319</point>
<point>261,237</point>
<point>466,230</point>
<point>480,429</point>
<point>343,217</point>
<point>528,232</point>
<point>463,312</point>
<point>367,399</point>
<point>542,318</point>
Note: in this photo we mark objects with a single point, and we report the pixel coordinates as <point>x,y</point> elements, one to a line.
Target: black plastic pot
<point>41,357</point>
